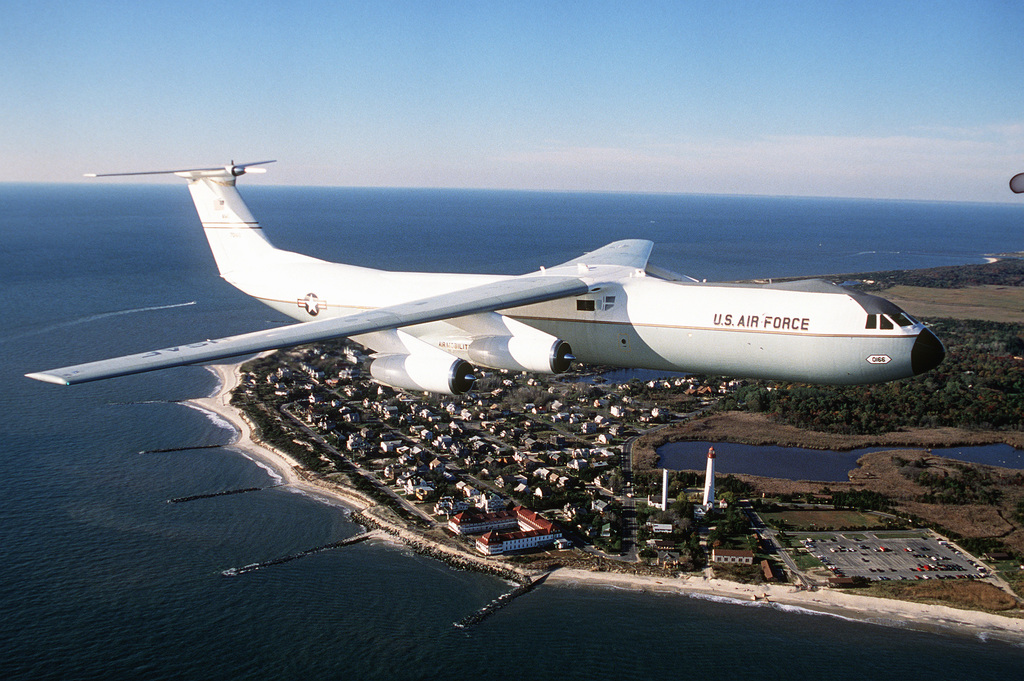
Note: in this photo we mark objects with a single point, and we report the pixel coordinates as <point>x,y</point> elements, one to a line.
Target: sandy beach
<point>839,603</point>
<point>291,472</point>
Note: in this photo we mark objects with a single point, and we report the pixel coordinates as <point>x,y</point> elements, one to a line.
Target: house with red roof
<point>505,531</point>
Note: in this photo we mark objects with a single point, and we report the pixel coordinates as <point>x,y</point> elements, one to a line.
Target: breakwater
<point>460,560</point>
<point>166,450</point>
<point>252,567</point>
<point>449,556</point>
<point>211,495</point>
<point>498,603</point>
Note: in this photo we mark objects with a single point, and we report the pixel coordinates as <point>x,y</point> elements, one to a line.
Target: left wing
<point>511,292</point>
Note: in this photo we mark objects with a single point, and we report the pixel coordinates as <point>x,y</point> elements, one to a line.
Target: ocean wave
<point>214,418</point>
<point>802,610</point>
<point>275,476</point>
<point>219,385</point>
<point>787,608</point>
<point>324,498</point>
<point>741,601</point>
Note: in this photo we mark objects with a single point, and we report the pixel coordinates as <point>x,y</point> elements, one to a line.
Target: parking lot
<point>863,554</point>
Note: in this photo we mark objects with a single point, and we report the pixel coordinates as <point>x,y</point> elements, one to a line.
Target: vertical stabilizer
<point>245,258</point>
<point>235,237</point>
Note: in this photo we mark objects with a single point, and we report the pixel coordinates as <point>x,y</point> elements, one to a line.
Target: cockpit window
<point>886,322</point>
<point>903,319</point>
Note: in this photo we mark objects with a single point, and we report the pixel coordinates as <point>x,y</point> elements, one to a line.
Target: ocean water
<point>102,578</point>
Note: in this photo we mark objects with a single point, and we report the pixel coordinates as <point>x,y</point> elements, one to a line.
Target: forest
<point>1006,272</point>
<point>980,385</point>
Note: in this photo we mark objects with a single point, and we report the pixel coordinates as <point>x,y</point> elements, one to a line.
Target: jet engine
<point>545,355</point>
<point>433,373</point>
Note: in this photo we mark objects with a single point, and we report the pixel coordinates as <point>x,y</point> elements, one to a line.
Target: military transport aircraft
<point>609,306</point>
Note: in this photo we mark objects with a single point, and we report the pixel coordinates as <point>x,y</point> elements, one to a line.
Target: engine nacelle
<point>540,355</point>
<point>437,374</point>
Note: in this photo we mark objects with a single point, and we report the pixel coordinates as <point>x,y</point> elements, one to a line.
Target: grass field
<point>992,303</point>
<point>969,594</point>
<point>799,519</point>
<point>900,535</point>
<point>806,561</point>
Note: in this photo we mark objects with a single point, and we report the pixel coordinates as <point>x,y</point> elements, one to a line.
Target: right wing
<point>625,253</point>
<point>511,292</point>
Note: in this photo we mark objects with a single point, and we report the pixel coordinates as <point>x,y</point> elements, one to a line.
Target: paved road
<point>629,547</point>
<point>367,475</point>
<point>776,546</point>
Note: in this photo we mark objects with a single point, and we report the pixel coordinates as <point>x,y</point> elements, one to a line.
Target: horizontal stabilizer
<point>234,169</point>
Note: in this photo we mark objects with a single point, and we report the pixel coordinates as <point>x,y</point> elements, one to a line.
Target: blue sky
<point>908,100</point>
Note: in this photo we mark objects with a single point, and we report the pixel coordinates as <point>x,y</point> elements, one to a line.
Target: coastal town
<point>540,472</point>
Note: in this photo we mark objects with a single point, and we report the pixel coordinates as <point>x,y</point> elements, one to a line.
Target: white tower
<point>664,489</point>
<point>709,480</point>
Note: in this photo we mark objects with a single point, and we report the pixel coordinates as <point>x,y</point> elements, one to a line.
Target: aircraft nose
<point>927,352</point>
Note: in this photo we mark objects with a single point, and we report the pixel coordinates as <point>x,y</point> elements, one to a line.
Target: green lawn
<point>819,520</point>
<point>902,535</point>
<point>806,561</point>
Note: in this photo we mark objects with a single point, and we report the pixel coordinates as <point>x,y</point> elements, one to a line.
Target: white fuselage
<point>639,321</point>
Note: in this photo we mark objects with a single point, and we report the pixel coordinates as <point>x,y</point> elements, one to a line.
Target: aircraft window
<point>872,322</point>
<point>609,302</point>
<point>585,305</point>
<point>902,319</point>
<point>884,322</point>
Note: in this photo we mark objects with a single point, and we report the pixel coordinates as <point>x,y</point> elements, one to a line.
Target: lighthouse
<point>709,481</point>
<point>664,489</point>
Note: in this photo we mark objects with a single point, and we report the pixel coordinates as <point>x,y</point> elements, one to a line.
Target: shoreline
<point>290,470</point>
<point>878,611</point>
<point>363,511</point>
<point>867,609</point>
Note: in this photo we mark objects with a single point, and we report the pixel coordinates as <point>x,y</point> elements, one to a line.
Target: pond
<point>795,463</point>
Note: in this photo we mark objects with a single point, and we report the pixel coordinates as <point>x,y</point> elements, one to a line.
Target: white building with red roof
<point>533,531</point>
<point>472,521</point>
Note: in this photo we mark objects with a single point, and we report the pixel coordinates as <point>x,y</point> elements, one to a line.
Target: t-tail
<point>235,237</point>
<point>243,254</point>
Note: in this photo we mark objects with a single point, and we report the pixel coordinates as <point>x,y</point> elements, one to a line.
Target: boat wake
<point>91,318</point>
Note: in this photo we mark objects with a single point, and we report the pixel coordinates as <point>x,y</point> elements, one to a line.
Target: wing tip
<point>48,378</point>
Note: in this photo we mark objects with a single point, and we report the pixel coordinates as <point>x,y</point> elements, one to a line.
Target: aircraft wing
<point>511,292</point>
<point>625,253</point>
